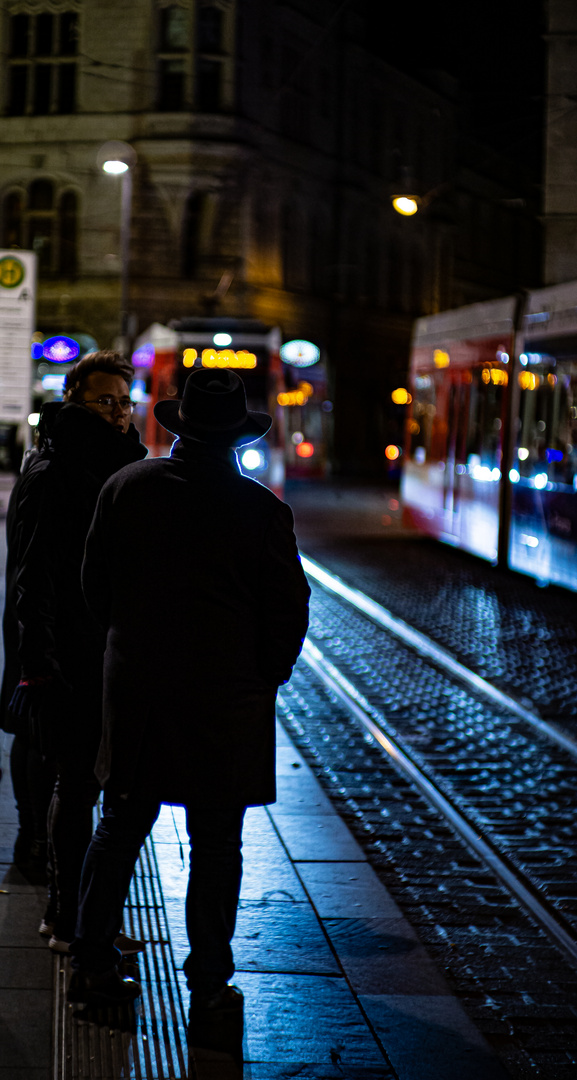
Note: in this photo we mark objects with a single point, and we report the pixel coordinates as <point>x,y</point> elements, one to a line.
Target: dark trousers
<point>213,888</point>
<point>70,828</point>
<point>33,783</point>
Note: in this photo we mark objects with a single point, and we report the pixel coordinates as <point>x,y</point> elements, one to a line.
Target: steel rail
<point>375,723</point>
<point>426,647</point>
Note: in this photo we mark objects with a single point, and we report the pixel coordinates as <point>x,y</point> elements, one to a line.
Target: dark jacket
<point>205,619</point>
<point>49,515</point>
<point>11,672</point>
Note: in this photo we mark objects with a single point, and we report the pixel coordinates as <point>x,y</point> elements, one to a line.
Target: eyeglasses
<point>108,404</point>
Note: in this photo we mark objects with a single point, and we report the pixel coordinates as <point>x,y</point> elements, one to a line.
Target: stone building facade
<point>269,138</point>
<point>560,184</point>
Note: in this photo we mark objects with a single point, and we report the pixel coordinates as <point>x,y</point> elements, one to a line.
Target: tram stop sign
<point>17,318</point>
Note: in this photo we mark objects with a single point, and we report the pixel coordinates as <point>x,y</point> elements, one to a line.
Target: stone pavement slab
<point>336,982</point>
<point>430,1038</point>
<point>26,964</point>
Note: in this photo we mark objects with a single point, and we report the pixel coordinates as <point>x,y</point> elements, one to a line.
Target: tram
<point>285,382</point>
<point>490,455</point>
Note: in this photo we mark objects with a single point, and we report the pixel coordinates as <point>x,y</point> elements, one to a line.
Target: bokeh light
<point>305,450</point>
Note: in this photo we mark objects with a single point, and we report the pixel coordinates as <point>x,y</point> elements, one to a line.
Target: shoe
<point>109,988</point>
<point>46,928</point>
<point>228,999</point>
<point>58,945</point>
<point>128,946</point>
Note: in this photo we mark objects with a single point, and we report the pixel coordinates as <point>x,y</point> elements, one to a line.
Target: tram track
<point>518,885</point>
<point>482,759</point>
<point>430,649</point>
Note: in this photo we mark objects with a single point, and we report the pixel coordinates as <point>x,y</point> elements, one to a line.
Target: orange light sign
<point>227,358</point>
<point>299,396</point>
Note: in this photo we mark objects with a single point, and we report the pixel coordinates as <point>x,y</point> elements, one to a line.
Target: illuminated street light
<point>407,205</point>
<point>118,159</point>
<point>115,168</point>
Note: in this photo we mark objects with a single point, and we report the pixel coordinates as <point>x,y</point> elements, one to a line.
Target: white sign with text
<point>17,318</point>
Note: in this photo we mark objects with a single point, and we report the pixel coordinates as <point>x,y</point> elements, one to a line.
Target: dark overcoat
<point>48,630</point>
<point>194,570</point>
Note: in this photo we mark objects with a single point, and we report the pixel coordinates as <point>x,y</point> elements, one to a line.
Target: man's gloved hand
<point>27,697</point>
<point>37,705</point>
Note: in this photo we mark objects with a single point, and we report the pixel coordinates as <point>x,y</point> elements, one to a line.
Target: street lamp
<point>118,159</point>
<point>407,205</point>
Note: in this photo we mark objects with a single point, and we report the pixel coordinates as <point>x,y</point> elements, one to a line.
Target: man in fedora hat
<point>193,571</point>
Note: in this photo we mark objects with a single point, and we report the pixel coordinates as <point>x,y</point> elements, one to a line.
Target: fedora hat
<point>213,409</point>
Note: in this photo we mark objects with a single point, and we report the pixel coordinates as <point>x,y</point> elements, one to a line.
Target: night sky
<point>496,52</point>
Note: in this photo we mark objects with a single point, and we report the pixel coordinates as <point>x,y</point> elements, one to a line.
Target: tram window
<point>421,423</point>
<point>484,429</point>
<point>547,427</point>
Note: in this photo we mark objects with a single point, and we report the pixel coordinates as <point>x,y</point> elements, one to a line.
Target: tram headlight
<point>252,459</point>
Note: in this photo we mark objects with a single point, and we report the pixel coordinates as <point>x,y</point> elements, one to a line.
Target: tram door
<point>472,477</point>
<point>457,418</point>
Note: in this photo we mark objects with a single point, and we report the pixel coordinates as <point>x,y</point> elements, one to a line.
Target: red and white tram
<point>490,462</point>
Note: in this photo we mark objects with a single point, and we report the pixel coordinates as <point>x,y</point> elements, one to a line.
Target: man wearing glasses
<point>57,705</point>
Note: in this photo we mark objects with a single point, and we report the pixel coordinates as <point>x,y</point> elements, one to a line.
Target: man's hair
<point>112,363</point>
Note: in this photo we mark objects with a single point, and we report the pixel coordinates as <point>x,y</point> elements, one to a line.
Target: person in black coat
<point>200,634</point>
<point>89,437</point>
<point>32,775</point>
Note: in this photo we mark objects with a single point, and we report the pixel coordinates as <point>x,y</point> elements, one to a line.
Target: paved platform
<point>336,982</point>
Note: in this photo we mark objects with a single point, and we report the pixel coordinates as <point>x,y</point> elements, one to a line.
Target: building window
<point>209,30</point>
<point>38,220</point>
<point>42,63</point>
<point>210,59</point>
<point>173,59</point>
<point>13,220</point>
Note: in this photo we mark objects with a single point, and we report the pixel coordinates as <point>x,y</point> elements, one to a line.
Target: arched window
<point>67,228</point>
<point>43,223</point>
<point>12,220</point>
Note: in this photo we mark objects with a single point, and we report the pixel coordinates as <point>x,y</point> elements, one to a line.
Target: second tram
<point>292,392</point>
<point>490,461</point>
